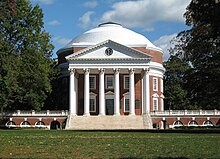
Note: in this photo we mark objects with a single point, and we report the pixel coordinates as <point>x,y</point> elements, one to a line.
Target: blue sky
<point>158,20</point>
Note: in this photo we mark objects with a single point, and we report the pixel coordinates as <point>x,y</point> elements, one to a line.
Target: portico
<point>115,92</point>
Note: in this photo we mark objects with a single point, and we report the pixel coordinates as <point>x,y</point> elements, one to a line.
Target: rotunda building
<point>110,74</point>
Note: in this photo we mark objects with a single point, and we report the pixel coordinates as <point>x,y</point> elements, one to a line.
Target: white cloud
<point>143,13</point>
<point>85,19</point>
<point>47,2</point>
<point>164,43</point>
<point>61,41</point>
<point>54,23</point>
<point>90,4</point>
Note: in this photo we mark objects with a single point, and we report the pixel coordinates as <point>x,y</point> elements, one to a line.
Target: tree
<point>25,52</point>
<point>200,47</point>
<point>175,91</point>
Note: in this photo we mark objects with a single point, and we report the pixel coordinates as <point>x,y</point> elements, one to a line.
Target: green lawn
<point>75,144</point>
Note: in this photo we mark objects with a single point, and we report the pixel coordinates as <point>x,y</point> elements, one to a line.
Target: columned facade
<point>120,104</point>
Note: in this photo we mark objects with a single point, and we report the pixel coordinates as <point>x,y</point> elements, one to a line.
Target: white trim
<point>92,96</point>
<point>161,85</point>
<point>207,124</point>
<point>177,125</point>
<point>109,95</point>
<point>38,122</point>
<point>93,76</point>
<point>155,95</point>
<point>21,124</point>
<point>126,96</point>
<point>10,121</point>
<point>193,121</point>
<point>106,86</point>
<point>155,107</point>
<point>126,76</point>
<point>155,85</point>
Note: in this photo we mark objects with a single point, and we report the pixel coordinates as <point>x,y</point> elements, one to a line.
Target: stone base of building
<point>109,122</point>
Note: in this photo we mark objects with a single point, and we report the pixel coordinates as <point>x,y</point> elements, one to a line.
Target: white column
<point>101,92</point>
<point>76,91</point>
<point>146,92</point>
<point>72,93</point>
<point>116,92</point>
<point>86,92</point>
<point>131,92</point>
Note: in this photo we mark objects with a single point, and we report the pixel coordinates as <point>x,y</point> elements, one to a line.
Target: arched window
<point>208,123</point>
<point>193,123</point>
<point>25,123</point>
<point>10,124</point>
<point>177,123</point>
<point>40,123</point>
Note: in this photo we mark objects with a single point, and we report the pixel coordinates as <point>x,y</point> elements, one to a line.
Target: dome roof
<point>111,31</point>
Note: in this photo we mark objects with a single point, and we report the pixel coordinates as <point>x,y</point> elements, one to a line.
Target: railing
<point>58,113</point>
<point>185,112</point>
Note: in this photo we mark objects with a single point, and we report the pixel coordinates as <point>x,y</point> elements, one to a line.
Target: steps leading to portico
<point>109,122</point>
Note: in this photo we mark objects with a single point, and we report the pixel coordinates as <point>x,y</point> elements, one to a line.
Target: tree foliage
<point>175,92</point>
<point>200,48</point>
<point>25,52</point>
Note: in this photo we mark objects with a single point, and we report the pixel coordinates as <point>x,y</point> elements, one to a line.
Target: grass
<point>100,144</point>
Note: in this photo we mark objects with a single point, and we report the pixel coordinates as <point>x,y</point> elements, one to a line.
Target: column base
<point>101,115</point>
<point>73,114</point>
<point>132,114</point>
<point>86,114</point>
<point>117,114</point>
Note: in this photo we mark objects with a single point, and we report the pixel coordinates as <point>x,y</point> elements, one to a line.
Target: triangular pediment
<point>108,50</point>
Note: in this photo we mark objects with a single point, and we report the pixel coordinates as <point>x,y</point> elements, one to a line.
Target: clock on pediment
<point>108,52</point>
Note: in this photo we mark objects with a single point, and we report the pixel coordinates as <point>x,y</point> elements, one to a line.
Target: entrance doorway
<point>109,106</point>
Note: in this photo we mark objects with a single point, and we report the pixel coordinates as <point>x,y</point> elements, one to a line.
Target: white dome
<point>114,32</point>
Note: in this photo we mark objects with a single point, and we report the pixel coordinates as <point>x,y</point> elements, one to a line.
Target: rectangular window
<point>155,84</point>
<point>109,82</point>
<point>92,105</point>
<point>126,105</point>
<point>155,104</point>
<point>161,85</point>
<point>126,82</point>
<point>92,82</point>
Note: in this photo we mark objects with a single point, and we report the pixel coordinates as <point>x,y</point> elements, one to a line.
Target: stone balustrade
<point>33,113</point>
<point>186,113</point>
<point>61,113</point>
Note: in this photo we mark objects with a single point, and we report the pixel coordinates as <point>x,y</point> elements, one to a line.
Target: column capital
<point>86,70</point>
<point>147,69</point>
<point>116,70</point>
<point>71,70</point>
<point>131,70</point>
<point>101,70</point>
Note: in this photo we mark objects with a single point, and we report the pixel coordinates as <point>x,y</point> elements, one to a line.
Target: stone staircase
<point>137,122</point>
